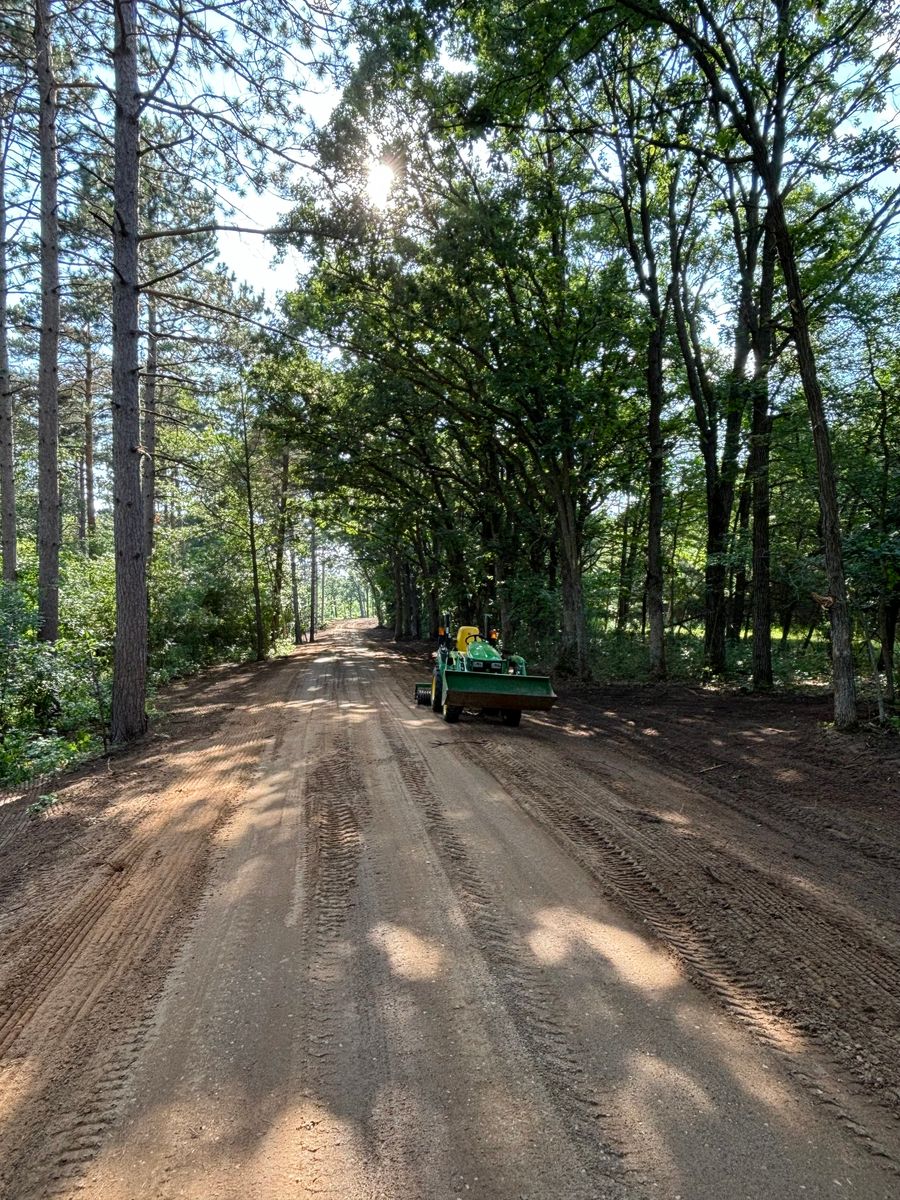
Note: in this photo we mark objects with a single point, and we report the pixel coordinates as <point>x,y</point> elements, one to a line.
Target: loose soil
<point>309,939</point>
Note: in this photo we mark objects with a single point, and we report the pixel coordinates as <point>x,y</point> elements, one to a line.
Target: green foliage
<point>50,696</point>
<point>41,805</point>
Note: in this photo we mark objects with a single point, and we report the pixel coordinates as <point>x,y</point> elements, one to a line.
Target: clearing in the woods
<point>310,939</point>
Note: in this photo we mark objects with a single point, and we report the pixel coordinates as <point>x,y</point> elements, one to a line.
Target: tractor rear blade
<point>471,690</point>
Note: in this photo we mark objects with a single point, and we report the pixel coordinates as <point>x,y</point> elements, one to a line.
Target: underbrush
<point>797,665</point>
<point>53,698</point>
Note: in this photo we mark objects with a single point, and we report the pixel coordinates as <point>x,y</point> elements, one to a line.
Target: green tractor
<point>474,672</point>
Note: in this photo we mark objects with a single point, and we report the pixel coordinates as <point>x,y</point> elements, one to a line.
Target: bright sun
<point>380,182</point>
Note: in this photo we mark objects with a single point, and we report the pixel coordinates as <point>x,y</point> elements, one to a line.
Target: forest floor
<point>309,939</point>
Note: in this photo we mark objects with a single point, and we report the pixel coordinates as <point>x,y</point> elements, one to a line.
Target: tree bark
<point>128,717</point>
<point>656,447</point>
<point>7,452</point>
<point>398,598</point>
<point>572,656</point>
<point>313,581</point>
<point>280,534</point>
<point>888,612</point>
<point>148,457</point>
<point>758,469</point>
<point>295,598</point>
<point>49,512</point>
<point>841,641</point>
<point>739,590</point>
<point>259,628</point>
<point>81,508</point>
<point>90,503</point>
<point>412,601</point>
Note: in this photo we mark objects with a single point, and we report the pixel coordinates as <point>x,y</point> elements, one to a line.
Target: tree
<point>49,531</point>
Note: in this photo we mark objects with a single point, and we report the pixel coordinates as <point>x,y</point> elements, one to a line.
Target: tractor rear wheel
<point>512,716</point>
<point>452,713</point>
<point>436,705</point>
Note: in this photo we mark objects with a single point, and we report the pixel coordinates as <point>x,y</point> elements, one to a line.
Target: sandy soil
<point>309,939</point>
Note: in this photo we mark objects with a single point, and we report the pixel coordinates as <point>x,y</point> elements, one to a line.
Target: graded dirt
<point>309,939</point>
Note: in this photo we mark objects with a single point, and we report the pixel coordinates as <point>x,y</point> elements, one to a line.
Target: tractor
<point>472,671</point>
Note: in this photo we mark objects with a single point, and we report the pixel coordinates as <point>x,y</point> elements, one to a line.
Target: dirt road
<point>312,940</point>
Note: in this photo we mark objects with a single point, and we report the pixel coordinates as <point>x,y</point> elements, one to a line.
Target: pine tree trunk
<point>128,717</point>
<point>82,507</point>
<point>258,626</point>
<point>148,441</point>
<point>90,503</point>
<point>280,534</point>
<point>49,515</point>
<point>7,453</point>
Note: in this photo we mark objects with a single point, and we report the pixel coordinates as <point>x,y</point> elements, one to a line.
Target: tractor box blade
<point>469,689</point>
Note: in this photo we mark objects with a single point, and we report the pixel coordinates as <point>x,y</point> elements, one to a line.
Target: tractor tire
<point>452,713</point>
<point>422,695</point>
<point>512,716</point>
<point>436,705</point>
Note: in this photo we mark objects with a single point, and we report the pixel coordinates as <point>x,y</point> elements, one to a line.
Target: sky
<point>250,256</point>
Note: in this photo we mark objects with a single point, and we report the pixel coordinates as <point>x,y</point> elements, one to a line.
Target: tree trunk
<point>412,601</point>
<point>259,628</point>
<point>841,640</point>
<point>376,601</point>
<point>295,598</point>
<point>398,598</point>
<point>7,454</point>
<point>572,656</point>
<point>758,469</point>
<point>761,436</point>
<point>720,484</point>
<point>89,499</point>
<point>81,508</point>
<point>656,446</point>
<point>128,718</point>
<point>673,574</point>
<point>280,533</point>
<point>739,591</point>
<point>623,600</point>
<point>49,514</point>
<point>148,458</point>
<point>888,612</point>
<point>313,580</point>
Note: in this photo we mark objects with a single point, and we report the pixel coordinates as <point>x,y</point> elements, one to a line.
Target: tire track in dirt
<point>529,1001</point>
<point>81,980</point>
<point>786,987</point>
<point>825,925</point>
<point>645,876</point>
<point>778,807</point>
<point>479,746</point>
